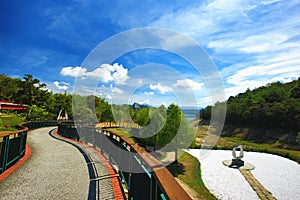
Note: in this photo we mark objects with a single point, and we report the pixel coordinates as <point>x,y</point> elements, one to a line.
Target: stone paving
<point>260,190</point>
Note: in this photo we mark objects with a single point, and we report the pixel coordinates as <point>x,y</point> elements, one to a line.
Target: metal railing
<point>151,180</point>
<point>13,143</point>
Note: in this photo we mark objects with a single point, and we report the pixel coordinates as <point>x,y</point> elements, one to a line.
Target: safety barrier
<point>150,179</point>
<point>13,143</point>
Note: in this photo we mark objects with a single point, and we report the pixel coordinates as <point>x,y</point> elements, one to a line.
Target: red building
<point>8,105</point>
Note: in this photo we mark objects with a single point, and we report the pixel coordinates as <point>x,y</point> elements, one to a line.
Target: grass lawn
<point>188,170</point>
<point>8,122</point>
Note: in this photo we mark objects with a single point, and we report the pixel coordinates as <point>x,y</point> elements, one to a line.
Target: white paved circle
<point>278,175</point>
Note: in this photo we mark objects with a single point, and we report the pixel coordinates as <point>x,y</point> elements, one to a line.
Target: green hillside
<point>268,114</point>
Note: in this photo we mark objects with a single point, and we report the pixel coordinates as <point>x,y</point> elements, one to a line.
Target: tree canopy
<point>275,105</point>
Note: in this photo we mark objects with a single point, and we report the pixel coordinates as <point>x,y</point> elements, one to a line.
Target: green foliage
<point>206,113</point>
<point>176,132</point>
<point>81,111</point>
<point>9,88</point>
<point>276,105</point>
<point>171,126</point>
<point>295,92</point>
<point>156,119</point>
<point>37,113</point>
<point>141,117</point>
<point>298,138</point>
<point>43,104</point>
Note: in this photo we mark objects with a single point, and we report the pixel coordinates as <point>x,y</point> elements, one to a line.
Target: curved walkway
<point>104,181</point>
<point>55,170</point>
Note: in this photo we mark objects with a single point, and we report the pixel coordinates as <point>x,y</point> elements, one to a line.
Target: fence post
<point>5,153</point>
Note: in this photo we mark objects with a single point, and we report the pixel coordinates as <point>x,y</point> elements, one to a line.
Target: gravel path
<point>55,170</point>
<point>278,175</point>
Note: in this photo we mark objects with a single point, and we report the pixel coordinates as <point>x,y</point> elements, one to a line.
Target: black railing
<point>150,180</point>
<point>13,143</point>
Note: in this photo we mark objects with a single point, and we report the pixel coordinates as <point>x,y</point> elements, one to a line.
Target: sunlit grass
<point>188,170</point>
<point>9,122</point>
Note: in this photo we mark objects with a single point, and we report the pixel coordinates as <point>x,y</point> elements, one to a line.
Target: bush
<point>298,138</point>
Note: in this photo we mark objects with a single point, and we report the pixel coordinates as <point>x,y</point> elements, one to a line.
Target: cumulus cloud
<point>73,71</point>
<point>188,84</point>
<point>105,73</point>
<point>61,85</point>
<point>160,88</point>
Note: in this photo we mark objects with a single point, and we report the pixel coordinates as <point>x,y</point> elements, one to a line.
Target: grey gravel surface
<point>55,170</point>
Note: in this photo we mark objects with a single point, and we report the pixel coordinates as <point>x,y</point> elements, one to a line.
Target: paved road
<point>55,170</point>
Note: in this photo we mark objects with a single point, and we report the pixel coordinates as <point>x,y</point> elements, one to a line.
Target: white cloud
<point>267,2</point>
<point>149,93</point>
<point>206,18</point>
<point>160,88</point>
<point>261,71</point>
<point>261,42</point>
<point>61,85</point>
<point>188,84</point>
<point>105,73</point>
<point>73,71</point>
<point>283,70</point>
<point>117,90</point>
<point>253,42</point>
<point>108,97</point>
<point>147,101</point>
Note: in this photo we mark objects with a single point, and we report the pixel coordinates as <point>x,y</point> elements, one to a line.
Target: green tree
<point>141,117</point>
<point>37,113</point>
<point>81,111</point>
<point>157,121</point>
<point>176,132</point>
<point>33,92</point>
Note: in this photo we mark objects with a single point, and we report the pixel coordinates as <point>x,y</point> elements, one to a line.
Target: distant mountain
<point>137,106</point>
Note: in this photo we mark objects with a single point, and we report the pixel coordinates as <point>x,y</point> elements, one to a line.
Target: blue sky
<point>252,43</point>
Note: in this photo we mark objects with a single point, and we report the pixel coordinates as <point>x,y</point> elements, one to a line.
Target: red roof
<point>8,105</point>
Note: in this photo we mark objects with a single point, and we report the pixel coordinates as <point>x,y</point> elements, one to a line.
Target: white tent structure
<point>61,117</point>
